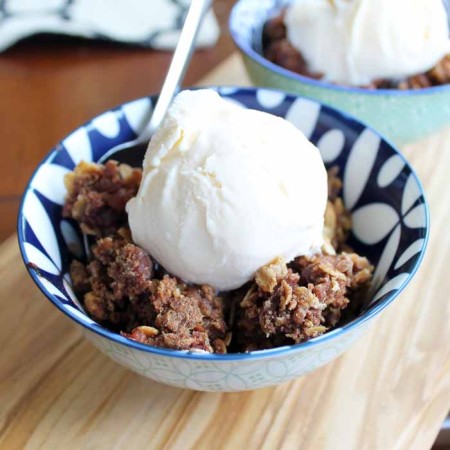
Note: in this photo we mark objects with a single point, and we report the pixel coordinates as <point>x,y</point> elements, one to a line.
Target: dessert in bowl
<point>390,227</point>
<point>396,78</point>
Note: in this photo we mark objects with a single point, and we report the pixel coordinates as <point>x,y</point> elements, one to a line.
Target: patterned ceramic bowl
<point>390,217</point>
<point>403,116</point>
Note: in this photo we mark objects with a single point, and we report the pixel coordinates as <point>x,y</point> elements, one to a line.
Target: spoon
<point>132,152</point>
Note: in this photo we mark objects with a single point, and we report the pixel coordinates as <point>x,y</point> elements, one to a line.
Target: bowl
<point>389,211</point>
<point>401,115</point>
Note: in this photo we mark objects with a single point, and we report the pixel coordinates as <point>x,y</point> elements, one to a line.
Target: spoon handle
<point>178,65</point>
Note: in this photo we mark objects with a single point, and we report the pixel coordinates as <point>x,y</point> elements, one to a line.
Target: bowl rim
<point>214,357</point>
<point>248,50</point>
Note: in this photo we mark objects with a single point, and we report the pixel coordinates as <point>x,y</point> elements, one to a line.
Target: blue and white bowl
<point>390,227</point>
<point>401,115</point>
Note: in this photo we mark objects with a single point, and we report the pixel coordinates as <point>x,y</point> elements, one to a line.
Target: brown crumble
<point>125,290</point>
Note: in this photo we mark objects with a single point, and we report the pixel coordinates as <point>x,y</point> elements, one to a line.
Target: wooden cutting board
<point>392,390</point>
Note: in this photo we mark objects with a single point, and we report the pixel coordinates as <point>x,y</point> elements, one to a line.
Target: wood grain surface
<point>390,391</point>
<point>50,85</point>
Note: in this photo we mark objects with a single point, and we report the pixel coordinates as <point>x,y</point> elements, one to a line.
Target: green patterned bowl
<point>401,115</point>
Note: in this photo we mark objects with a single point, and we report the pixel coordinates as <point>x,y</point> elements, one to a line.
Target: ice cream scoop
<point>355,42</point>
<point>225,190</point>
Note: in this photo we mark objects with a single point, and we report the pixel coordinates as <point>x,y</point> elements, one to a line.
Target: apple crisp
<point>124,289</point>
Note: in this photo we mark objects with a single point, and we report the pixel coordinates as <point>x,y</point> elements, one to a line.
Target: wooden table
<point>392,390</point>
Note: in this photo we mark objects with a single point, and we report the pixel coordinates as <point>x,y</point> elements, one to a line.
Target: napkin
<point>152,23</point>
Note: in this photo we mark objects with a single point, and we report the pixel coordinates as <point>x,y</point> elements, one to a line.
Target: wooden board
<point>392,390</point>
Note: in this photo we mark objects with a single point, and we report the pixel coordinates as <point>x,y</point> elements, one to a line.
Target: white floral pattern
<point>390,170</point>
<point>356,173</point>
<point>390,226</point>
<point>331,145</point>
<point>303,113</point>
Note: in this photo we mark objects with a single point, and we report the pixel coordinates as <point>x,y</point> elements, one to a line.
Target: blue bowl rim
<point>248,50</point>
<point>212,357</point>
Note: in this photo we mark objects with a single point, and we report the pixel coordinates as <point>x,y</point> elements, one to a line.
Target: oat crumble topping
<point>124,289</point>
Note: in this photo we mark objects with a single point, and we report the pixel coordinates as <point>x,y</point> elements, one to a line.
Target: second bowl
<point>401,115</point>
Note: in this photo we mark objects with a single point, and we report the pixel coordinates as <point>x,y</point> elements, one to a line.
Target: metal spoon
<point>132,152</point>
<point>177,69</point>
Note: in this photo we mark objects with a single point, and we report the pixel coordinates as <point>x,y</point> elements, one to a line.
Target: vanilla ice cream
<point>225,190</point>
<point>357,41</point>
